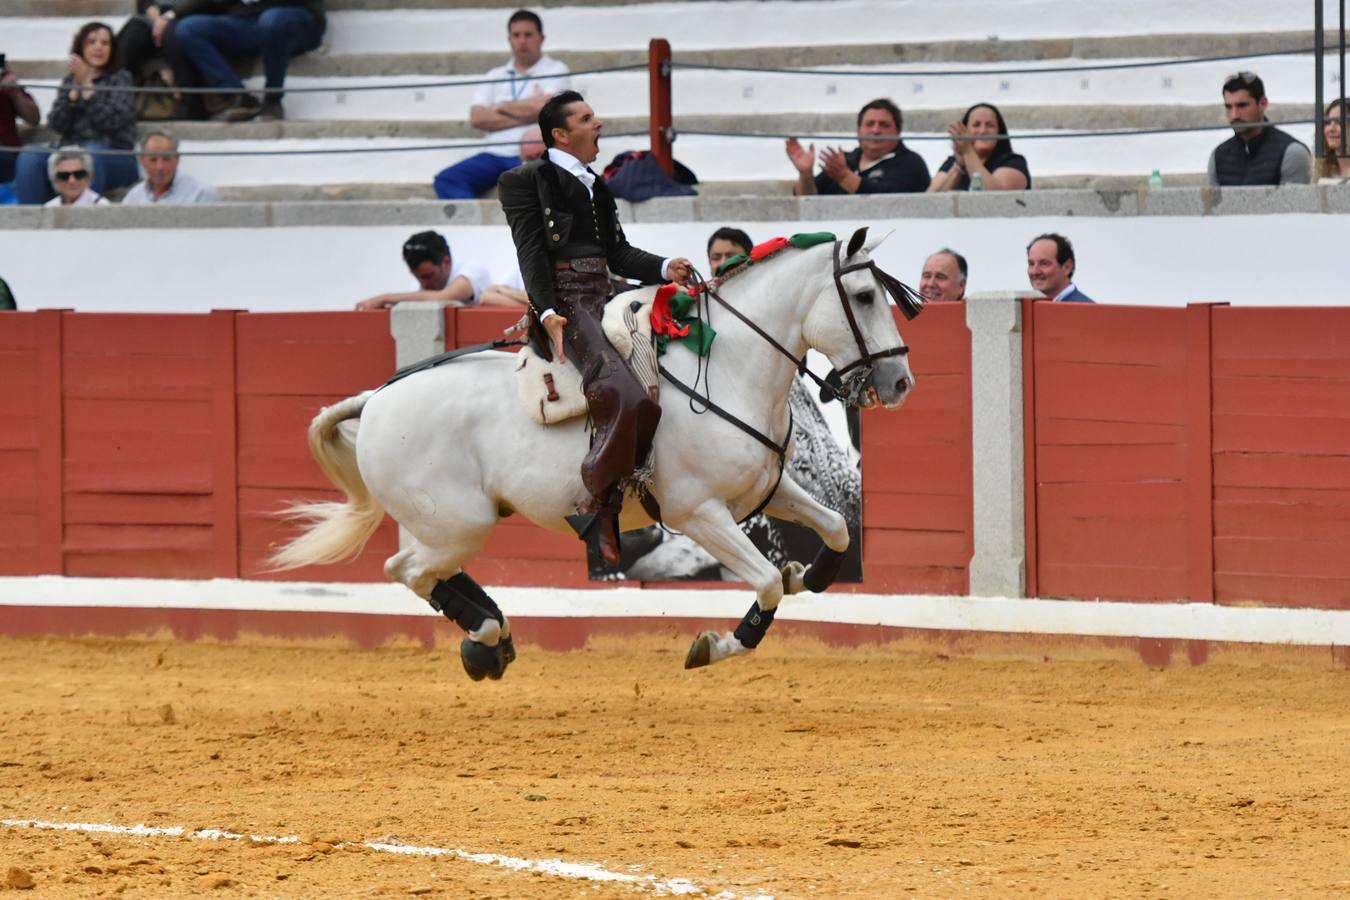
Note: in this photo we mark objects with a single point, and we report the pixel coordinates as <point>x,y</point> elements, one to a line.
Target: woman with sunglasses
<point>68,170</point>
<point>1333,167</point>
<point>86,113</point>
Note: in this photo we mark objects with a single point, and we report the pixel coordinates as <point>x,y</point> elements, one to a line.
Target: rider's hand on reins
<point>554,326</point>
<point>678,271</point>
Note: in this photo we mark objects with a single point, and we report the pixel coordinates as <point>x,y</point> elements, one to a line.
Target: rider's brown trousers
<point>623,416</point>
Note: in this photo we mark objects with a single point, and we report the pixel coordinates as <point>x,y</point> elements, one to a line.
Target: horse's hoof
<point>481,661</point>
<point>700,652</point>
<point>794,578</point>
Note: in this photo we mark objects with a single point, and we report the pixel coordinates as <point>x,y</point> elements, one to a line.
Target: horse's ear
<point>874,243</point>
<point>856,242</point>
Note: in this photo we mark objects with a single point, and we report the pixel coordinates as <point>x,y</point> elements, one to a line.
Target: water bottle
<point>976,181</point>
<point>1155,180</point>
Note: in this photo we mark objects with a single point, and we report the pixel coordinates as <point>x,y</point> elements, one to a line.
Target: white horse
<point>449,451</point>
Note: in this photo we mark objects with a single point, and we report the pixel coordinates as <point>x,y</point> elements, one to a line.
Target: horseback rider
<point>567,234</point>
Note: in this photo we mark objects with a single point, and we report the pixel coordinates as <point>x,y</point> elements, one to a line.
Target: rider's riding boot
<point>603,532</point>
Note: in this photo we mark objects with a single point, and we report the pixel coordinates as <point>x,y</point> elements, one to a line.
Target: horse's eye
<point>865,297</point>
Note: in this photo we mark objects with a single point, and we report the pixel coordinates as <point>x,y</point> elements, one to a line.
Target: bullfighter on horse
<point>568,238</point>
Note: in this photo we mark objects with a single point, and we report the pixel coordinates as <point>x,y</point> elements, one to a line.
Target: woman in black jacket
<point>85,112</point>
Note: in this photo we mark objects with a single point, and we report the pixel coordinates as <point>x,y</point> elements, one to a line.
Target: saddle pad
<point>553,393</point>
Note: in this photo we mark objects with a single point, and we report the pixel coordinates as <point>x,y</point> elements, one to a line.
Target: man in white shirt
<point>506,108</point>
<point>163,183</point>
<point>439,277</point>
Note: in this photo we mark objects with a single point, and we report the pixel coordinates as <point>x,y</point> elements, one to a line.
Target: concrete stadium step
<point>756,95</point>
<point>403,191</point>
<point>51,63</point>
<point>112,8</point>
<point>1036,118</point>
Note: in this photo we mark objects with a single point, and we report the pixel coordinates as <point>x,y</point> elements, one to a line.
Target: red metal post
<point>225,437</point>
<point>50,444</point>
<point>662,122</point>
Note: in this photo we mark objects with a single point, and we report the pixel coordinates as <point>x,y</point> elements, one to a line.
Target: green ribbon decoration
<point>810,239</point>
<point>701,334</point>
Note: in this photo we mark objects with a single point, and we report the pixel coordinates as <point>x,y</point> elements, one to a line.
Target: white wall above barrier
<point>1292,259</point>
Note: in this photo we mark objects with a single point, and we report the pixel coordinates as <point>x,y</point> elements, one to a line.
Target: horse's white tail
<point>332,531</point>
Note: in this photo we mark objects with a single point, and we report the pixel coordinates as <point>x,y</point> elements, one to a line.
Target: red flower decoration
<point>662,320</point>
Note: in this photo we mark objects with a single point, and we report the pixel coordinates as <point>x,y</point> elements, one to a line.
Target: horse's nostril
<point>901,386</point>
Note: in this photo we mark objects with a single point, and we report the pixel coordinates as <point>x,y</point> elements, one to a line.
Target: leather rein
<point>910,303</point>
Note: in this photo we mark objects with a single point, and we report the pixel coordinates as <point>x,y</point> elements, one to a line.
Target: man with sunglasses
<point>568,239</point>
<point>428,258</point>
<point>1258,153</point>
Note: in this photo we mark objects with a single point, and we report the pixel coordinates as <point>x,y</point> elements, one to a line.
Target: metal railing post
<point>661,119</point>
<point>1319,48</point>
<point>1344,93</point>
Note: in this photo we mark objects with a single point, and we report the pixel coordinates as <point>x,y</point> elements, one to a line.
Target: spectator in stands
<point>147,47</point>
<point>163,182</point>
<point>1051,267</point>
<point>212,32</point>
<point>532,144</point>
<point>981,146</point>
<point>724,244</point>
<point>1258,153</point>
<point>68,171</point>
<point>93,119</point>
<point>428,258</point>
<point>15,104</point>
<point>1333,167</point>
<point>944,277</point>
<point>881,163</point>
<point>505,109</point>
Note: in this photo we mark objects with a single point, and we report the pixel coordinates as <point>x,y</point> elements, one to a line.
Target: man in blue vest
<point>1258,153</point>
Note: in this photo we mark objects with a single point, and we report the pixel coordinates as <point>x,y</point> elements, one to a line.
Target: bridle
<point>906,298</point>
<point>852,385</point>
<point>910,303</point>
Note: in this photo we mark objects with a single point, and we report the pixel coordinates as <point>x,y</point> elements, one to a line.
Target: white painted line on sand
<point>660,887</point>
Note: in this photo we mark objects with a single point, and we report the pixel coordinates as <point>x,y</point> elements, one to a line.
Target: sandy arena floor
<point>802,772</point>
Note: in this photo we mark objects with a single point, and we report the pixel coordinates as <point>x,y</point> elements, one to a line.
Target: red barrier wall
<point>1199,453</point>
<point>1282,456</point>
<point>917,514</point>
<point>30,444</point>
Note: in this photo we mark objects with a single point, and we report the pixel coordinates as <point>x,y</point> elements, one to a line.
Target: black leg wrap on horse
<point>470,590</point>
<point>458,608</point>
<point>751,630</point>
<point>824,569</point>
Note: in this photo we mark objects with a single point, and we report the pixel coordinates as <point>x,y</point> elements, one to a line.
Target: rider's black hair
<point>554,114</point>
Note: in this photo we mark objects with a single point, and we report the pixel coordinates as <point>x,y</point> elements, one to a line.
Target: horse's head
<point>851,322</point>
